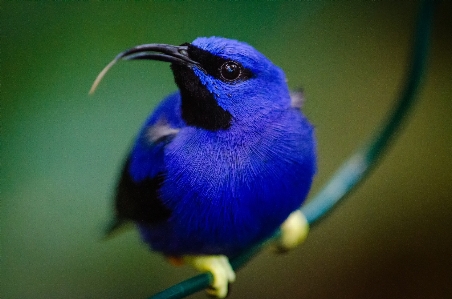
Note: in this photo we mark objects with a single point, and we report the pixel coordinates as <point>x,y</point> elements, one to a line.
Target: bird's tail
<point>116,227</point>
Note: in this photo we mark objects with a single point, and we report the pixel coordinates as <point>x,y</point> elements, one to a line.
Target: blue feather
<point>230,173</point>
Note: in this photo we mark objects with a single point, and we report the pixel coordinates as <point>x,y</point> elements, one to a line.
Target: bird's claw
<point>221,270</point>
<point>293,232</point>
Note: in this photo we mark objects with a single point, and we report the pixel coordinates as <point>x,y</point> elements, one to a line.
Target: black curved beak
<point>159,52</point>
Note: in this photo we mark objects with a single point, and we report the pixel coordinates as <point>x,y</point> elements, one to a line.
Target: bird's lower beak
<point>159,52</point>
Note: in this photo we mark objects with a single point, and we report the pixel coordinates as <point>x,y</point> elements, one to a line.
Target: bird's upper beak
<point>160,52</point>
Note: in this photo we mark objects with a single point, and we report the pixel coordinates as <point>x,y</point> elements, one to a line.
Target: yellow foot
<point>293,232</point>
<point>220,268</point>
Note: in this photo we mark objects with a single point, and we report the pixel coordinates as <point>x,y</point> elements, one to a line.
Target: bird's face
<point>221,81</point>
<point>240,79</point>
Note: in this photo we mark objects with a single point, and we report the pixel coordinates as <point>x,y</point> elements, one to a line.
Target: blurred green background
<point>61,149</point>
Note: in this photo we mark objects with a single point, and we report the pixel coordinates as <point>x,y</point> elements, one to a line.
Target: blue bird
<point>220,164</point>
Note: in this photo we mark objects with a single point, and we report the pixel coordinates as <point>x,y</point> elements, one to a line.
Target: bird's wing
<point>137,198</point>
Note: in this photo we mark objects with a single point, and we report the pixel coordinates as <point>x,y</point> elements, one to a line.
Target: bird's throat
<point>199,107</point>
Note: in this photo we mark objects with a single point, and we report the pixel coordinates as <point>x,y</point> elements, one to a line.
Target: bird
<point>221,163</point>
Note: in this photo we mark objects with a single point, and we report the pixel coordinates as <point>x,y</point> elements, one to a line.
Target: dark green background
<point>61,149</point>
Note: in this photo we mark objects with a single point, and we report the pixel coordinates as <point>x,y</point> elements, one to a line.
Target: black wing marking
<point>140,202</point>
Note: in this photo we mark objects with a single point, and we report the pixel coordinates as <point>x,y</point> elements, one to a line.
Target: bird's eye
<point>230,70</point>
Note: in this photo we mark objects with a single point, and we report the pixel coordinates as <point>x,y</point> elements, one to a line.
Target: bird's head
<point>220,80</point>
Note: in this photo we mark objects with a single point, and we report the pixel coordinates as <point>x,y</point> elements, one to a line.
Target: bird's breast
<point>220,163</point>
<point>226,191</point>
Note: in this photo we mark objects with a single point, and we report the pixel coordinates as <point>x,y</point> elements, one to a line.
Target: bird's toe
<point>221,270</point>
<point>293,232</point>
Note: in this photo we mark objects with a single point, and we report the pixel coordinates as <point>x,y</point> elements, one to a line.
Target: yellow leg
<point>219,266</point>
<point>293,232</point>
